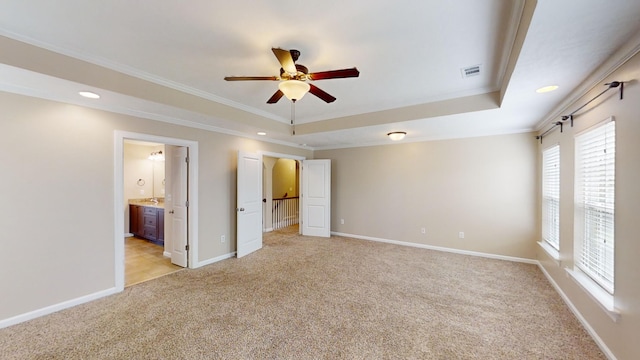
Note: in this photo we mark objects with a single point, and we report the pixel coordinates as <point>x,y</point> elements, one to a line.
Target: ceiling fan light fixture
<point>397,135</point>
<point>294,90</point>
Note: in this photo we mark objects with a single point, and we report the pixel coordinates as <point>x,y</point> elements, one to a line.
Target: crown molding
<point>422,139</point>
<point>137,73</point>
<point>522,14</point>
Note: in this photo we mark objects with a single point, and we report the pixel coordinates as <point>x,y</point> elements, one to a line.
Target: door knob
<point>171,212</point>
<point>239,209</point>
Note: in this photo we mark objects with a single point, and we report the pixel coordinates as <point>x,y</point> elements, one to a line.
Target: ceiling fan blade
<point>275,97</point>
<point>285,59</point>
<point>321,94</point>
<point>243,78</point>
<point>334,74</point>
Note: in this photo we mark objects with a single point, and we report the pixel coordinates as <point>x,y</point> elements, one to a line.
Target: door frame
<point>290,157</point>
<point>118,181</point>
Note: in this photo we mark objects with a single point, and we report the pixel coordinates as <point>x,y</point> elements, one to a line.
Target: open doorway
<point>281,191</point>
<point>315,209</point>
<point>145,173</point>
<point>165,221</point>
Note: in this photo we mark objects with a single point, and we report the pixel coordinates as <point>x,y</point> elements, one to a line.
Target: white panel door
<point>249,204</point>
<point>316,198</point>
<point>179,206</point>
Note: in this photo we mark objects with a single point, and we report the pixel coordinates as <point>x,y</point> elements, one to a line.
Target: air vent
<point>470,71</point>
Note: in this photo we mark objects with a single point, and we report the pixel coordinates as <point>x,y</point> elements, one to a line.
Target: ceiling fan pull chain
<point>293,117</point>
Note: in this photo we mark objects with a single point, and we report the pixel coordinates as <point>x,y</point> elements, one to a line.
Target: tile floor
<point>144,261</point>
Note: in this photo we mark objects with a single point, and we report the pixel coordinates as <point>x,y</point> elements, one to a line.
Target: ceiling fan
<point>293,78</point>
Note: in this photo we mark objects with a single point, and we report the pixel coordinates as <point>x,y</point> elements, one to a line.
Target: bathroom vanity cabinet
<point>147,221</point>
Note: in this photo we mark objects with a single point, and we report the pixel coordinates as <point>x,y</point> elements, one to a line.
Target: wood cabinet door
<point>140,211</point>
<point>134,227</point>
<point>161,225</point>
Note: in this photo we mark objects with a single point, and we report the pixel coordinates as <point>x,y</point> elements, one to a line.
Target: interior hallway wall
<point>267,192</point>
<point>284,178</point>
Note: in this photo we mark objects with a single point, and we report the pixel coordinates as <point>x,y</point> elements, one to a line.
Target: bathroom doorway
<point>145,173</point>
<point>156,206</point>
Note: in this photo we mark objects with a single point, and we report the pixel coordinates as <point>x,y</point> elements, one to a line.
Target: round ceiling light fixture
<point>396,135</point>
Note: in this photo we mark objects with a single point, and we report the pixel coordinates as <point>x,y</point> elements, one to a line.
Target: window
<point>551,196</point>
<point>595,185</point>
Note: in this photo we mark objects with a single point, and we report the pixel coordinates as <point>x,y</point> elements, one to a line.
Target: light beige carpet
<point>312,298</point>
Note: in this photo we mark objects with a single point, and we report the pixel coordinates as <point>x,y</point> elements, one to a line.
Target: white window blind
<point>595,185</point>
<point>551,196</point>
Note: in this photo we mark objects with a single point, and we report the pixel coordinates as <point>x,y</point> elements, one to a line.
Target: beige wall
<point>621,337</point>
<point>57,164</point>
<point>284,178</point>
<point>137,166</point>
<point>485,187</point>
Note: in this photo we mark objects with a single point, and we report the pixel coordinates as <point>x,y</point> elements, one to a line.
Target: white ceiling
<point>409,54</point>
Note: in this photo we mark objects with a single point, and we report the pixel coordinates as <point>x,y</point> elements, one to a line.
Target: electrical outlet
<point>342,221</point>
<point>222,239</point>
<point>423,230</point>
<point>461,234</point>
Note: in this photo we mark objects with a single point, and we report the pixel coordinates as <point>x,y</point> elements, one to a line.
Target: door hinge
<point>186,203</point>
<point>186,247</point>
<point>186,159</point>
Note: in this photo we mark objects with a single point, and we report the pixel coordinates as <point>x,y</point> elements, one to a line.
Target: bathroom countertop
<point>147,202</point>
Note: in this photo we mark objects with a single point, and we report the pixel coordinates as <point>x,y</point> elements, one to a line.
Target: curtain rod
<point>611,85</point>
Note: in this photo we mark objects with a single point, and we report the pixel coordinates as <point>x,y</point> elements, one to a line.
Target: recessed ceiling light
<point>547,89</point>
<point>89,94</point>
<point>262,133</point>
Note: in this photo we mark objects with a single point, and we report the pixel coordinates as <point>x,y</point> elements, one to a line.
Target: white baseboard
<point>268,229</point>
<point>83,299</point>
<point>166,254</point>
<point>215,259</point>
<point>127,235</point>
<point>605,349</point>
<point>56,307</point>
<point>439,248</point>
